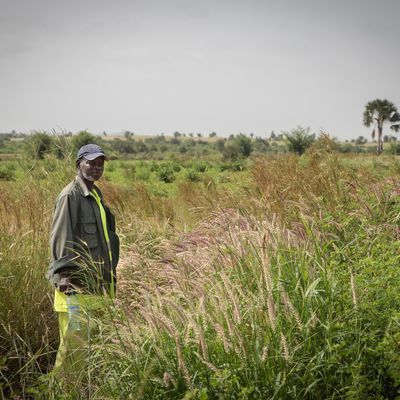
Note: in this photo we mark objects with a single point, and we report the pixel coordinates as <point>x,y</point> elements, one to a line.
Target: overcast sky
<point>153,66</point>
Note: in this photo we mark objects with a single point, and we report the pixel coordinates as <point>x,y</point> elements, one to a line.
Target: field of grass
<point>274,278</point>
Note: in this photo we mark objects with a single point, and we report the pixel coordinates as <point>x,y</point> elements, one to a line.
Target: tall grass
<point>27,332</point>
<point>285,287</point>
<point>243,309</point>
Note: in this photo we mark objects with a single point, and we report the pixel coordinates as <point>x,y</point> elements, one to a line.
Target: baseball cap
<point>90,152</point>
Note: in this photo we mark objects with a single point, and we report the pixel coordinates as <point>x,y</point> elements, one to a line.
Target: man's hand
<point>65,285</point>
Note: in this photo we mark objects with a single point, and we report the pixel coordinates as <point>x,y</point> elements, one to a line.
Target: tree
<point>361,140</point>
<point>298,139</point>
<point>128,134</point>
<point>239,146</point>
<point>82,138</point>
<point>396,120</point>
<point>244,145</point>
<point>378,112</point>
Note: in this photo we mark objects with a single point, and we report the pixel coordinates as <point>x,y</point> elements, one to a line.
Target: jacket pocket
<point>88,219</point>
<point>90,234</point>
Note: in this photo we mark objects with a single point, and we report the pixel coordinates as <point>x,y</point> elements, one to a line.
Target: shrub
<point>166,174</point>
<point>192,176</point>
<point>298,140</point>
<point>3,141</point>
<point>143,173</point>
<point>182,149</point>
<point>200,166</point>
<point>38,144</point>
<point>346,148</point>
<point>233,166</point>
<point>174,166</point>
<point>237,147</point>
<point>124,147</point>
<point>261,145</point>
<point>155,166</point>
<point>7,172</point>
<point>83,138</point>
<point>220,144</point>
<point>394,148</point>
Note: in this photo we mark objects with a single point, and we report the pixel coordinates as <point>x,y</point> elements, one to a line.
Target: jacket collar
<point>83,189</point>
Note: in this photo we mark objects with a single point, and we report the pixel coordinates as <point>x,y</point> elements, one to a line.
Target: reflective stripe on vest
<point>95,195</point>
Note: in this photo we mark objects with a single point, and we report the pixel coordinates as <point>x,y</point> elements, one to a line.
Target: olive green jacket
<point>78,245</point>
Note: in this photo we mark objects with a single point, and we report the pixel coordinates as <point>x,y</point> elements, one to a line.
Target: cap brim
<point>93,156</point>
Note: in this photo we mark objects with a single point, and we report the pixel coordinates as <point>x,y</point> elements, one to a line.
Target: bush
<point>7,172</point>
<point>143,173</point>
<point>234,166</point>
<point>192,176</point>
<point>298,140</point>
<point>38,144</point>
<point>261,145</point>
<point>182,149</point>
<point>83,138</point>
<point>124,147</point>
<point>220,145</point>
<point>346,148</point>
<point>394,148</point>
<point>200,166</point>
<point>166,174</point>
<point>155,166</point>
<point>3,141</point>
<point>174,166</point>
<point>237,147</point>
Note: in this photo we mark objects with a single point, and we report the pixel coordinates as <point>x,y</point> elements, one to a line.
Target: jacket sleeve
<point>63,256</point>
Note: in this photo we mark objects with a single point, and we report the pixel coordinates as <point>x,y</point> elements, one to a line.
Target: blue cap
<point>90,152</point>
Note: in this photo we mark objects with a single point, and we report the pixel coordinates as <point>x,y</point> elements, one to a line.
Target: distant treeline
<point>39,144</point>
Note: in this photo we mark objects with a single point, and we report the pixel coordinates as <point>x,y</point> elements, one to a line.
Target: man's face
<point>92,170</point>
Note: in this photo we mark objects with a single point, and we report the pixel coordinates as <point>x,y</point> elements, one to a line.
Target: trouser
<point>74,346</point>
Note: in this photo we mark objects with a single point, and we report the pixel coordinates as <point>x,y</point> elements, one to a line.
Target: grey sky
<point>196,66</point>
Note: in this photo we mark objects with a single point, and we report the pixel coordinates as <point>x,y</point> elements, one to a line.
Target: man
<point>84,255</point>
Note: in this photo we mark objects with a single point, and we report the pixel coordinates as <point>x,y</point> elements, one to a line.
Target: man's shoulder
<point>71,190</point>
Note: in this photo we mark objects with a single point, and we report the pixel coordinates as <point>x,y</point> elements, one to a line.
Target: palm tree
<point>396,122</point>
<point>379,112</point>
